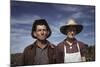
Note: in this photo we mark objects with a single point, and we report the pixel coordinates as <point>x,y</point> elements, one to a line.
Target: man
<point>41,51</point>
<point>71,50</point>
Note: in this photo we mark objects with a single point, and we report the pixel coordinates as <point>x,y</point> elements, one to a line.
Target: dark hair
<point>40,22</point>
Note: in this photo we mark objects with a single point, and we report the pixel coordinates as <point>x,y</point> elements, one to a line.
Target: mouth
<point>72,34</point>
<point>43,36</point>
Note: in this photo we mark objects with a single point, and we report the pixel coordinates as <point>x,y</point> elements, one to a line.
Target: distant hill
<point>16,59</point>
<point>91,53</point>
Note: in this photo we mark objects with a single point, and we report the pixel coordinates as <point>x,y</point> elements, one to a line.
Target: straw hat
<point>71,25</point>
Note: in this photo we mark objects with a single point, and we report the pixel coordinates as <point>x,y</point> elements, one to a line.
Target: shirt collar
<point>48,44</point>
<point>74,40</point>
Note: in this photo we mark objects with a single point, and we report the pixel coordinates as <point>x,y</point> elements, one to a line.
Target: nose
<point>42,32</point>
<point>72,32</point>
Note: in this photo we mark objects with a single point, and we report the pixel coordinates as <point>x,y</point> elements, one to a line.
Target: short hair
<point>40,22</point>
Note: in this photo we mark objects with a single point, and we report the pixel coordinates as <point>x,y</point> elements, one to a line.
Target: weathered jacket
<point>60,51</point>
<point>30,52</point>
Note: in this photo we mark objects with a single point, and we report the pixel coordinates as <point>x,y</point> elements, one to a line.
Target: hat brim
<point>64,29</point>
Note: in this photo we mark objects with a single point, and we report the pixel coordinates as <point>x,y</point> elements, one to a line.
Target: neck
<point>41,43</point>
<point>71,40</point>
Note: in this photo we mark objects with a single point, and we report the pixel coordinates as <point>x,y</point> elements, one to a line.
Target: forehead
<point>40,27</point>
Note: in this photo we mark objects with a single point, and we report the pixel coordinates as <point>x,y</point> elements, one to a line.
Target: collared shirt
<point>32,53</point>
<point>73,48</point>
<point>60,50</point>
<point>41,55</point>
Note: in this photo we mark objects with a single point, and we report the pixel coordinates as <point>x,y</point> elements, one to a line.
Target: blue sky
<point>23,15</point>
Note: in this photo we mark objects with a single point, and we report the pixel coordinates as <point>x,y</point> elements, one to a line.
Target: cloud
<point>71,8</point>
<point>19,39</point>
<point>25,19</point>
<point>21,33</point>
<point>56,36</point>
<point>77,15</point>
<point>19,42</point>
<point>89,34</point>
<point>80,15</point>
<point>86,24</point>
<point>21,26</point>
<point>59,16</point>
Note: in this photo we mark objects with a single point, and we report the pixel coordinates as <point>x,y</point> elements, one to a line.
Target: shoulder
<point>61,43</point>
<point>51,44</point>
<point>30,47</point>
<point>82,45</point>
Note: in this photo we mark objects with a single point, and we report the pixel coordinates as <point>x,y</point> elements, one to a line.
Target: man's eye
<point>38,30</point>
<point>45,30</point>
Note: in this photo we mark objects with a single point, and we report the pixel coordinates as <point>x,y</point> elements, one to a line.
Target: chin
<point>42,39</point>
<point>71,37</point>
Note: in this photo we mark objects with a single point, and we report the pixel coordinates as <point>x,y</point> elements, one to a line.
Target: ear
<point>34,33</point>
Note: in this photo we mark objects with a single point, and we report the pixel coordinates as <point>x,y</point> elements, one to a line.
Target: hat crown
<point>71,22</point>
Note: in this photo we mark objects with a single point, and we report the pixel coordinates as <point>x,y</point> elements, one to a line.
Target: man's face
<point>71,33</point>
<point>41,32</point>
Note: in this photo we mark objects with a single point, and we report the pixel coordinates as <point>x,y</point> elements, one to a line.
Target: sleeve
<point>25,56</point>
<point>59,55</point>
<point>84,50</point>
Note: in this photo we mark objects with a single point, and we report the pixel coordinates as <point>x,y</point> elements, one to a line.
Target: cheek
<point>38,34</point>
<point>68,33</point>
<point>41,34</point>
<point>46,33</point>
